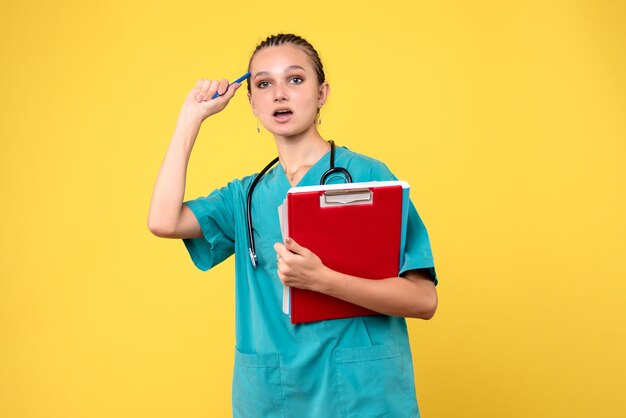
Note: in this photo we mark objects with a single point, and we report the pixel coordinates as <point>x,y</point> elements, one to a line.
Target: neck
<point>300,150</point>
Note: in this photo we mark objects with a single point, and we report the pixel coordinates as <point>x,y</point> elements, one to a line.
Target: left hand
<point>298,266</point>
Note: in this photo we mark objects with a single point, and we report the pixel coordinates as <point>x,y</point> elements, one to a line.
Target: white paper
<point>284,228</point>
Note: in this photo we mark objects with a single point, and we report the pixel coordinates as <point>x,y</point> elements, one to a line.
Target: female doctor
<point>355,367</point>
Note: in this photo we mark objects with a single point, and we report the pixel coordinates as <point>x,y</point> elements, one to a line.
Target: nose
<point>280,93</point>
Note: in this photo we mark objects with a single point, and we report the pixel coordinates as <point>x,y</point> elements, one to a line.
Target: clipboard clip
<point>346,197</point>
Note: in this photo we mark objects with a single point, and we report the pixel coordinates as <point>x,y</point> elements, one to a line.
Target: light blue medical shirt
<point>355,367</point>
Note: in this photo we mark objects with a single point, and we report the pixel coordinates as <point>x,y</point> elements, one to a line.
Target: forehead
<point>276,58</point>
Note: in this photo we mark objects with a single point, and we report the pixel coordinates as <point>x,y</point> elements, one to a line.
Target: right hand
<point>198,105</point>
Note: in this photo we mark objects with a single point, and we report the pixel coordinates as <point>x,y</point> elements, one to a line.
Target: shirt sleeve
<point>417,251</point>
<point>216,218</point>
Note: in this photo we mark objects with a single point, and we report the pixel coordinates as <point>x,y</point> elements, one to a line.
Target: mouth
<point>283,115</point>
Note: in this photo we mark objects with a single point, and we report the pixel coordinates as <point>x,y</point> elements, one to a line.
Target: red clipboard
<point>355,229</point>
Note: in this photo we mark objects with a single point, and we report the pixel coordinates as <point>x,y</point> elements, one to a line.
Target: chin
<point>286,131</point>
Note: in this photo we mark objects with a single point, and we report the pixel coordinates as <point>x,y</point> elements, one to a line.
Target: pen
<point>239,80</point>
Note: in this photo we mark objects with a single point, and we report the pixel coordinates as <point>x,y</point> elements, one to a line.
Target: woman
<point>354,367</point>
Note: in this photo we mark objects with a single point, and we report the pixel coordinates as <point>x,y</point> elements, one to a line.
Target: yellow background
<point>506,117</point>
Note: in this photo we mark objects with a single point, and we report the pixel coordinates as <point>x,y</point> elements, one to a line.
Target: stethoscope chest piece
<point>253,257</point>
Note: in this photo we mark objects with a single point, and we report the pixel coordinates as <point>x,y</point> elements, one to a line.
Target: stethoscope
<point>332,170</point>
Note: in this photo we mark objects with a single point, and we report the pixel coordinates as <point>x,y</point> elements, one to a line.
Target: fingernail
<point>288,240</point>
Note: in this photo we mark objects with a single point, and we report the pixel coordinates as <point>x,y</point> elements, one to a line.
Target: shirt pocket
<point>374,382</point>
<point>257,386</point>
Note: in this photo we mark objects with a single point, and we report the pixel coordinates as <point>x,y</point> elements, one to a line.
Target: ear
<point>324,91</point>
<point>251,103</point>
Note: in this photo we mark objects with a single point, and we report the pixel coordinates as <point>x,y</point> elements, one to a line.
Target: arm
<point>167,216</point>
<point>411,296</point>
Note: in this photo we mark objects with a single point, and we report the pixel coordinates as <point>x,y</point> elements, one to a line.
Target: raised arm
<point>167,216</point>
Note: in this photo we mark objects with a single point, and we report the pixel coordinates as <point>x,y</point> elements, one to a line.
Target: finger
<point>195,91</point>
<point>206,84</point>
<point>285,270</point>
<point>212,90</point>
<point>209,87</point>
<point>231,90</point>
<point>229,93</point>
<point>222,87</point>
<point>281,250</point>
<point>294,247</point>
<point>198,93</point>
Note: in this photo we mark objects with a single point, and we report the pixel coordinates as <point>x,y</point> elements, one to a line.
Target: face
<point>285,93</point>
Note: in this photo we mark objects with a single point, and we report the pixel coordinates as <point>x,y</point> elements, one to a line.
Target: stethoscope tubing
<point>328,173</point>
<point>252,248</point>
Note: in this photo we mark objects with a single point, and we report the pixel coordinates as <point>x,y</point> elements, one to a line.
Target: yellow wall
<point>506,117</point>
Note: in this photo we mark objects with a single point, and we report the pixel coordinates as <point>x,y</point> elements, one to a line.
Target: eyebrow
<point>290,68</point>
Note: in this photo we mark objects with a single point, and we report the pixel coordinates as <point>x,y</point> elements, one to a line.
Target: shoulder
<point>241,183</point>
<point>363,167</point>
<point>233,190</point>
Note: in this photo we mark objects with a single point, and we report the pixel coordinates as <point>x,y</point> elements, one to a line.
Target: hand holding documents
<point>356,229</point>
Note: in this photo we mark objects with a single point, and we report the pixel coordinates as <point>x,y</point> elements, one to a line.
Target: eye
<point>263,84</point>
<point>296,80</point>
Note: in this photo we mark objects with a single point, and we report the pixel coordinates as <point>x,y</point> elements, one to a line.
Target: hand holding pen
<point>209,97</point>
<point>239,80</point>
